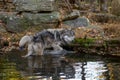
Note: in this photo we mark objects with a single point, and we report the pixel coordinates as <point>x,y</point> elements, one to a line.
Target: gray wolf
<point>54,38</point>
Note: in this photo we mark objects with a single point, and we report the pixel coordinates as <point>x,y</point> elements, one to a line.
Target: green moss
<point>84,42</point>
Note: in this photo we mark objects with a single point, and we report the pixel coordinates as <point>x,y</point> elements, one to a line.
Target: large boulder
<point>10,22</point>
<point>34,5</point>
<point>73,15</point>
<point>39,18</point>
<point>77,22</point>
<point>18,23</point>
<point>44,20</point>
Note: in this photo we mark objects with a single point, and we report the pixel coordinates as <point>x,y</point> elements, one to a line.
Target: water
<point>70,67</point>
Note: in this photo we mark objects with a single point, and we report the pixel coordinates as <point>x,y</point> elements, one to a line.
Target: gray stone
<point>72,15</point>
<point>16,23</point>
<point>42,17</point>
<point>79,22</point>
<point>19,23</point>
<point>5,15</point>
<point>11,21</point>
<point>34,5</point>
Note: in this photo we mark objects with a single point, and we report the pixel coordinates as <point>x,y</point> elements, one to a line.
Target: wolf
<point>47,38</point>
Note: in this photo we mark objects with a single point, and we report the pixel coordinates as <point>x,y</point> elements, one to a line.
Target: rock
<point>19,23</point>
<point>13,22</point>
<point>73,15</point>
<point>16,23</point>
<point>44,20</point>
<point>42,17</point>
<point>34,5</point>
<point>4,16</point>
<point>79,22</point>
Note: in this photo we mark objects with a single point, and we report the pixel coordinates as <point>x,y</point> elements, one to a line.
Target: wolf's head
<point>67,36</point>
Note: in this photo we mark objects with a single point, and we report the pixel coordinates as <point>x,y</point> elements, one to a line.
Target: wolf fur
<point>60,36</point>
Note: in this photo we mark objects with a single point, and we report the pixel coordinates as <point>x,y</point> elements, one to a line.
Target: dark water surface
<point>58,67</point>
